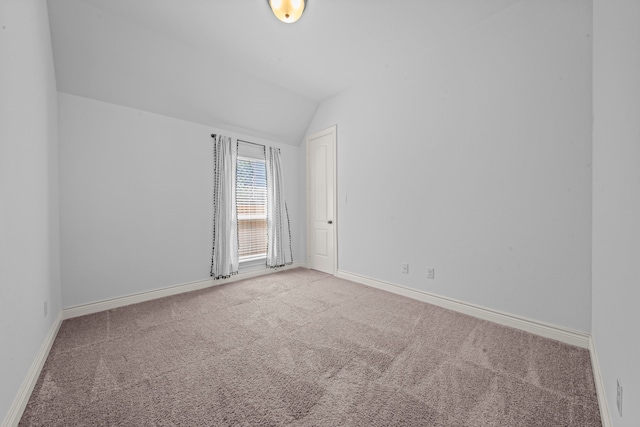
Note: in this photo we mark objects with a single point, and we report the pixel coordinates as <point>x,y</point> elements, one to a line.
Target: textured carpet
<point>302,348</point>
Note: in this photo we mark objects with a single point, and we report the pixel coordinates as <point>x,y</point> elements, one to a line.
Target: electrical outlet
<point>45,309</point>
<point>345,199</point>
<point>619,397</point>
<point>431,273</point>
<point>405,268</point>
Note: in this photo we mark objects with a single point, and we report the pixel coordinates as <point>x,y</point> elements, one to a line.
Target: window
<point>251,200</point>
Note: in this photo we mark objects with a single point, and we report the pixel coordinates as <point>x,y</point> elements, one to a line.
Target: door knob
<point>329,222</point>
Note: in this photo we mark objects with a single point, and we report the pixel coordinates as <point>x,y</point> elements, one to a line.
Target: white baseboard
<point>568,336</point>
<point>24,393</point>
<point>95,307</point>
<point>605,416</point>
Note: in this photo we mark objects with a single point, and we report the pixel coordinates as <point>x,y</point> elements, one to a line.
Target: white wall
<point>29,266</point>
<point>136,199</point>
<point>616,201</point>
<point>475,158</point>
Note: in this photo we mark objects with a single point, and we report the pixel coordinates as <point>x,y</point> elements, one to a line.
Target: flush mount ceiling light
<point>288,11</point>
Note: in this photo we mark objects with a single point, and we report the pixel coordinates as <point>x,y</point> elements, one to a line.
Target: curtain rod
<point>213,135</point>
<point>254,143</point>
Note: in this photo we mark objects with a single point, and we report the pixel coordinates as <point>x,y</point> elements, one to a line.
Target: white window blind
<point>251,201</point>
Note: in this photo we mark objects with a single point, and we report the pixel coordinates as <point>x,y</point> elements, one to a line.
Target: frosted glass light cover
<point>288,11</point>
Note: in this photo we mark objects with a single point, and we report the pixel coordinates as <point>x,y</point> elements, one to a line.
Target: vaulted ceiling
<point>231,64</point>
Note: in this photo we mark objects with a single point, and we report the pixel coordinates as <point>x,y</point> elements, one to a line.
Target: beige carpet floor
<point>302,348</point>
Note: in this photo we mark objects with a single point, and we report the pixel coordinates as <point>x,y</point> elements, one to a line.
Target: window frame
<point>255,261</point>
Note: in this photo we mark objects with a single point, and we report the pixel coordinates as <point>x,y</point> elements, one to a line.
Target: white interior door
<point>321,207</point>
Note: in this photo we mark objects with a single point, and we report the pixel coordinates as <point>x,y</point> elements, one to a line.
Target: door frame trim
<point>333,130</point>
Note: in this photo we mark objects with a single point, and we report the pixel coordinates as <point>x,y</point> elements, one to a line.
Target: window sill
<point>252,264</point>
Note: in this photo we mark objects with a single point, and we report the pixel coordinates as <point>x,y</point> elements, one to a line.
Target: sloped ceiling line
<point>230,64</point>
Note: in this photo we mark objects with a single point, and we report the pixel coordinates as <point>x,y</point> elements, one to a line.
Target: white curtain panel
<point>279,251</point>
<point>224,259</point>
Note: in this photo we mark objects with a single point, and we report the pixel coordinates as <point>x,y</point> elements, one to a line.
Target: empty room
<point>320,213</point>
